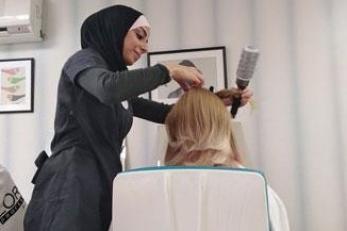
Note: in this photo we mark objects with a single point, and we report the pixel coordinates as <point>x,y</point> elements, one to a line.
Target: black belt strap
<point>40,160</point>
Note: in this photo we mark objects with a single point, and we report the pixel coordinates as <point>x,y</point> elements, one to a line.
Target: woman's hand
<point>228,95</point>
<point>186,77</point>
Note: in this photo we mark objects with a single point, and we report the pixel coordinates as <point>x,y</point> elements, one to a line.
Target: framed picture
<point>16,85</point>
<point>210,61</point>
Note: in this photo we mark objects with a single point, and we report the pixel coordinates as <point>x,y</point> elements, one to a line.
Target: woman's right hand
<point>227,95</point>
<point>186,77</point>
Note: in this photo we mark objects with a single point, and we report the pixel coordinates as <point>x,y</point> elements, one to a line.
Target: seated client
<point>199,134</point>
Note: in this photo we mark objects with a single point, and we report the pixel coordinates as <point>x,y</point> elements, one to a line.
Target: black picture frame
<point>17,85</point>
<point>211,61</point>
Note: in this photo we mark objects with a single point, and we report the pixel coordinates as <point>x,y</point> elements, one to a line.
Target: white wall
<point>296,134</point>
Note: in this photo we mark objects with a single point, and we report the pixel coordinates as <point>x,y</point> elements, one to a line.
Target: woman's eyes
<point>139,36</point>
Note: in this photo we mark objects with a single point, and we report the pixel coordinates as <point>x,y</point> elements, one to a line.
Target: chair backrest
<point>190,199</point>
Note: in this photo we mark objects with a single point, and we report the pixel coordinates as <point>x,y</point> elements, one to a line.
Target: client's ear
<point>169,154</point>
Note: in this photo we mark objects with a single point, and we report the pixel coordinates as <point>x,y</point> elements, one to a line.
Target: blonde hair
<point>199,132</point>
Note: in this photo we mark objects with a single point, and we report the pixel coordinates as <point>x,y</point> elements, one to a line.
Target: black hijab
<point>105,30</point>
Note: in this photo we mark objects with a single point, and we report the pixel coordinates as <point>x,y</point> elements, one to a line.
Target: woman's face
<point>135,44</point>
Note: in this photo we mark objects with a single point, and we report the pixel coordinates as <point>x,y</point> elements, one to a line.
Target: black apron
<point>73,188</point>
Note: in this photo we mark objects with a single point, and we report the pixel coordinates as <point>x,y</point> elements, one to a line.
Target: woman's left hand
<point>228,95</point>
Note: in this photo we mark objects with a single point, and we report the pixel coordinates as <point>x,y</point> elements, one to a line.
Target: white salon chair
<point>190,199</point>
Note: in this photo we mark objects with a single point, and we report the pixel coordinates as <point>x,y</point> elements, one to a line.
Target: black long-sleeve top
<point>89,112</point>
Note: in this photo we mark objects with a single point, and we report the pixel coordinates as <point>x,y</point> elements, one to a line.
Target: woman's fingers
<point>198,78</point>
<point>246,95</point>
<point>185,86</point>
<point>228,95</point>
<point>188,76</point>
<point>192,76</point>
<point>185,76</point>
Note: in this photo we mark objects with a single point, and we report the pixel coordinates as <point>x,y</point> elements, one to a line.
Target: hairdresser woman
<point>73,188</point>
